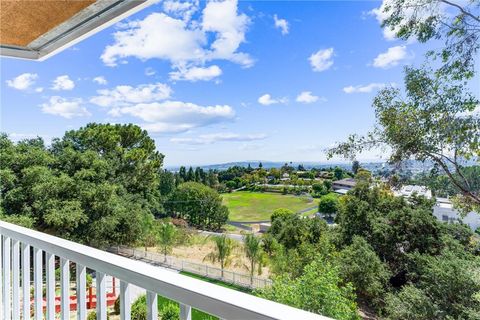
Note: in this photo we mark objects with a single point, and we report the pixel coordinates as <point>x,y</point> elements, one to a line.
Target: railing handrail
<point>213,299</point>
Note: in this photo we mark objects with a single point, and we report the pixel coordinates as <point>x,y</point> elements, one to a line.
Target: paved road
<point>233,236</point>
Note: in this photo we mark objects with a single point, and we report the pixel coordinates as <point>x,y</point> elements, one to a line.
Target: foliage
<point>166,238</point>
<point>222,252</point>
<point>361,266</point>
<point>319,289</point>
<point>200,205</point>
<point>355,166</point>
<point>328,204</point>
<point>170,311</point>
<point>435,121</point>
<point>281,213</point>
<point>459,28</point>
<point>253,251</point>
<point>95,185</point>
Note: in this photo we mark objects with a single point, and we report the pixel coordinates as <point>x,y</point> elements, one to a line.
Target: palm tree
<point>253,252</point>
<point>166,238</point>
<point>222,252</point>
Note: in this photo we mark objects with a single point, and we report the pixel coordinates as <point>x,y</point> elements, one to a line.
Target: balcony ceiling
<point>38,29</point>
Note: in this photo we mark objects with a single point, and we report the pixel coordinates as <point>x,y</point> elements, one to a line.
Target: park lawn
<point>259,206</point>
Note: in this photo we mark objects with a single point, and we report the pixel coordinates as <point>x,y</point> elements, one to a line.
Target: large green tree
<point>434,120</point>
<point>200,205</point>
<point>96,185</point>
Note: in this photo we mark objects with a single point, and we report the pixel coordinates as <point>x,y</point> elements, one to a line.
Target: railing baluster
<point>38,279</point>
<point>26,280</point>
<point>81,292</point>
<point>125,306</point>
<point>65,287</point>
<point>185,312</point>
<point>16,280</point>
<point>101,296</point>
<point>6,278</point>
<point>50,276</point>
<point>152,307</point>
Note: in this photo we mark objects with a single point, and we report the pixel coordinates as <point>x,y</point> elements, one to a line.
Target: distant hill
<point>278,164</point>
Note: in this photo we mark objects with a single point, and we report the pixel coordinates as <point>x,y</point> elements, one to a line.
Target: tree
<point>355,166</point>
<point>166,238</point>
<point>281,213</point>
<point>95,185</point>
<point>222,252</point>
<point>200,205</point>
<point>361,266</point>
<point>456,23</point>
<point>447,287</point>
<point>338,173</point>
<point>328,204</point>
<point>167,183</point>
<point>435,121</point>
<point>253,251</point>
<point>319,289</point>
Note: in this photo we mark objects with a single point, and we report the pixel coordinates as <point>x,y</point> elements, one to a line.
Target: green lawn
<point>257,206</point>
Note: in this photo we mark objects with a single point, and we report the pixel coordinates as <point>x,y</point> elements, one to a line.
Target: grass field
<point>258,206</point>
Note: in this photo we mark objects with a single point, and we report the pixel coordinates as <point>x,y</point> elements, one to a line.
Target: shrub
<point>170,311</point>
<point>139,308</point>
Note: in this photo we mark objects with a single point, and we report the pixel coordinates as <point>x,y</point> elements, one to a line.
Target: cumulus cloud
<point>218,137</point>
<point>308,97</point>
<point>281,24</point>
<point>197,73</point>
<point>181,9</point>
<point>267,100</point>
<point>322,59</point>
<point>125,95</point>
<point>65,107</point>
<point>23,81</point>
<point>216,34</point>
<point>100,80</point>
<point>63,83</point>
<point>365,88</point>
<point>177,116</point>
<point>392,57</point>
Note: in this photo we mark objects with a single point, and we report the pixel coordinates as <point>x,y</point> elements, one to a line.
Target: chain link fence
<point>240,279</point>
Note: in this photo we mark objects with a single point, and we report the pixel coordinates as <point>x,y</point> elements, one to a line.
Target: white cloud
<point>365,88</point>
<point>64,107</point>
<point>267,100</point>
<point>23,81</point>
<point>218,137</point>
<point>308,97</point>
<point>63,83</point>
<point>183,10</point>
<point>197,73</point>
<point>126,95</point>
<point>392,57</point>
<point>322,59</point>
<point>217,34</point>
<point>100,80</point>
<point>39,89</point>
<point>281,24</point>
<point>177,116</point>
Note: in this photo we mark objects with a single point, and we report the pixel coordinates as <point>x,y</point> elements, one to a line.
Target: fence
<point>240,279</point>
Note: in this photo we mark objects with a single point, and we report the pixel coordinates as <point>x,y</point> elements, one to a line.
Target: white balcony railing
<point>17,244</point>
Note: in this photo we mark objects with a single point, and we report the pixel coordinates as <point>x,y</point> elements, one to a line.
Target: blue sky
<point>217,82</point>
